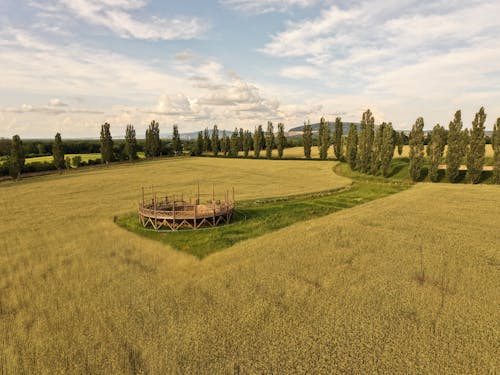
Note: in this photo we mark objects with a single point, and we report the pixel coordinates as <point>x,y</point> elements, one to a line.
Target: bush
<point>38,167</point>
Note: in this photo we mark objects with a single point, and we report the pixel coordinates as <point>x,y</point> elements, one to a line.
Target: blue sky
<point>70,65</point>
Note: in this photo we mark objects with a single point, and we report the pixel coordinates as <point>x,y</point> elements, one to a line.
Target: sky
<point>70,65</point>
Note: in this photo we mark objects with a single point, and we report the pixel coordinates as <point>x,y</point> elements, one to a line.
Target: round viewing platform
<point>173,212</point>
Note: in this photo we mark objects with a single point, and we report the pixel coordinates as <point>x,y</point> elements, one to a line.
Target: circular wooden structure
<point>174,212</point>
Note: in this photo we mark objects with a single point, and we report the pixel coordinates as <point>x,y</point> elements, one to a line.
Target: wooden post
<point>198,200</point>
<point>174,212</point>
<point>195,227</point>
<point>156,224</point>
<point>213,201</point>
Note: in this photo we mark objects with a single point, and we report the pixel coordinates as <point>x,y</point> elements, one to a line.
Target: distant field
<point>85,157</point>
<point>403,284</point>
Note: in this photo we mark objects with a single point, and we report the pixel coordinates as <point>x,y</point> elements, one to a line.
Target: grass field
<point>402,284</point>
<point>85,157</point>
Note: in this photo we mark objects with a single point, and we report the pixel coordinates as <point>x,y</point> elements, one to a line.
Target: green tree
<point>400,142</point>
<point>235,143</point>
<point>215,140</point>
<point>376,157</point>
<point>58,152</point>
<point>495,143</point>
<point>307,139</point>
<point>454,155</point>
<point>352,146</point>
<point>176,141</point>
<point>280,140</point>
<point>257,141</point>
<point>387,149</point>
<point>436,150</point>
<point>417,149</point>
<point>269,140</point>
<point>247,143</point>
<point>67,162</point>
<point>198,146</point>
<point>16,160</point>
<point>223,143</point>
<point>207,145</point>
<point>365,142</point>
<point>106,144</point>
<point>241,138</point>
<point>337,138</point>
<point>476,149</point>
<point>153,143</point>
<point>323,138</point>
<point>77,161</point>
<point>130,143</point>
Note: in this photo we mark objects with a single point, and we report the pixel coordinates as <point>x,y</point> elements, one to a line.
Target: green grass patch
<point>257,217</point>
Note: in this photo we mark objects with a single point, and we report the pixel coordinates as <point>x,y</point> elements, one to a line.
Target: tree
<point>223,143</point>
<point>152,147</point>
<point>365,142</point>
<point>352,146</point>
<point>376,157</point>
<point>323,138</point>
<point>207,146</point>
<point>400,142</point>
<point>130,143</point>
<point>280,139</point>
<point>269,140</point>
<point>436,150</point>
<point>247,142</point>
<point>77,161</point>
<point>234,144</point>
<point>67,162</point>
<point>337,138</point>
<point>227,145</point>
<point>417,149</point>
<point>476,149</point>
<point>495,143</point>
<point>176,140</point>
<point>215,140</point>
<point>387,149</point>
<point>198,148</point>
<point>454,154</point>
<point>106,144</point>
<point>16,160</point>
<point>257,141</point>
<point>58,152</point>
<point>241,138</point>
<point>307,139</point>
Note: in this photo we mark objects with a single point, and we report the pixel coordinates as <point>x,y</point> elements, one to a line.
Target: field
<point>85,157</point>
<point>402,284</point>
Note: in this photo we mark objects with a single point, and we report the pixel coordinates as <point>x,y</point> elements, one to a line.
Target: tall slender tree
<point>454,154</point>
<point>269,140</point>
<point>323,138</point>
<point>223,143</point>
<point>257,141</point>
<point>215,141</point>
<point>436,150</point>
<point>387,149</point>
<point>337,138</point>
<point>130,143</point>
<point>16,160</point>
<point>376,157</point>
<point>58,152</point>
<point>400,142</point>
<point>176,140</point>
<point>495,143</point>
<point>198,146</point>
<point>365,142</point>
<point>352,146</point>
<point>476,149</point>
<point>307,139</point>
<point>153,142</point>
<point>235,143</point>
<point>241,138</point>
<point>106,144</point>
<point>417,149</point>
<point>207,145</point>
<point>281,139</point>
<point>247,142</point>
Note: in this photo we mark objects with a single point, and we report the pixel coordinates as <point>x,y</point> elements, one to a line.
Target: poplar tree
<point>376,157</point>
<point>247,142</point>
<point>387,149</point>
<point>234,144</point>
<point>323,138</point>
<point>207,147</point>
<point>337,138</point>
<point>227,144</point>
<point>176,141</point>
<point>241,138</point>
<point>417,149</point>
<point>130,143</point>
<point>454,154</point>
<point>281,139</point>
<point>153,144</point>
<point>436,150</point>
<point>476,149</point>
<point>223,143</point>
<point>198,149</point>
<point>495,143</point>
<point>16,160</point>
<point>269,140</point>
<point>257,141</point>
<point>365,142</point>
<point>58,152</point>
<point>352,146</point>
<point>215,140</point>
<point>307,139</point>
<point>106,144</point>
<point>400,142</point>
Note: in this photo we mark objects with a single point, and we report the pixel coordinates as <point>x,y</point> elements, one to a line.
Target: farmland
<point>403,284</point>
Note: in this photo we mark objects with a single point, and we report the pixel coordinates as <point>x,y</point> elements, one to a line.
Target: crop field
<point>85,157</point>
<point>403,284</point>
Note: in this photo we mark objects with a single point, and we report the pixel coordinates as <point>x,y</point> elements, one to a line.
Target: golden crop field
<point>85,157</point>
<point>404,284</point>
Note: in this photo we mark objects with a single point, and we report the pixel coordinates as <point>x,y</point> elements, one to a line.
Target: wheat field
<point>404,284</point>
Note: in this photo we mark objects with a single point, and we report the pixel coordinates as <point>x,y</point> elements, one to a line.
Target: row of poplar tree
<point>372,150</point>
<point>152,147</point>
<point>241,141</point>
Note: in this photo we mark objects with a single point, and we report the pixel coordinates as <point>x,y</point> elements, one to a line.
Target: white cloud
<point>299,72</point>
<point>266,6</point>
<point>116,16</point>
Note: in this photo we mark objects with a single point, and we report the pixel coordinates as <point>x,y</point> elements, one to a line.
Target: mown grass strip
<point>255,218</point>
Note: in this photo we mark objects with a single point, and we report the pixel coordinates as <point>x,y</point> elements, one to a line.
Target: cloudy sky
<point>70,65</point>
